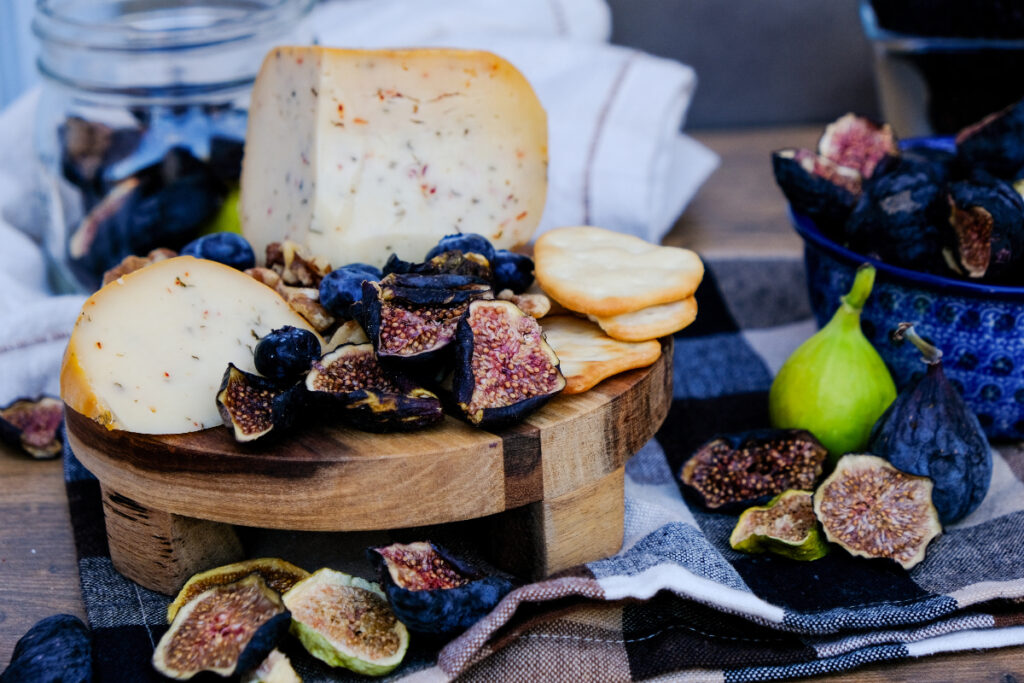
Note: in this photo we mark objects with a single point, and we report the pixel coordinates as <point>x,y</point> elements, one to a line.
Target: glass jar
<point>141,122</point>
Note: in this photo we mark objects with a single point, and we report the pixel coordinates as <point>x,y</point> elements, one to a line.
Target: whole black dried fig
<point>930,431</point>
<point>57,649</point>
<point>817,187</point>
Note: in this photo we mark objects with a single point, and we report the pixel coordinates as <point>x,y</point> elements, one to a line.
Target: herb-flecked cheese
<point>148,351</point>
<point>359,154</point>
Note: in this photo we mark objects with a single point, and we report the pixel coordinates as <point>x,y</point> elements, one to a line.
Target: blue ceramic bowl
<point>979,327</point>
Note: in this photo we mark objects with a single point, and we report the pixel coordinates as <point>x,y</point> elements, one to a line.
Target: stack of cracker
<point>634,290</point>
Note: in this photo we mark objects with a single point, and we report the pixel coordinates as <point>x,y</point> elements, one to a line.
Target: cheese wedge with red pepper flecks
<point>361,153</point>
<point>148,350</point>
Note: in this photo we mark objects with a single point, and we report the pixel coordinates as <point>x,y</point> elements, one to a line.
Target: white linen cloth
<point>617,157</point>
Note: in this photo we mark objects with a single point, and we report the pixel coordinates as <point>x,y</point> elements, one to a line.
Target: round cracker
<point>606,273</point>
<point>651,322</point>
<point>586,355</point>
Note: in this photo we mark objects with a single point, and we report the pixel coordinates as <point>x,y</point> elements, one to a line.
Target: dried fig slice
<point>254,406</point>
<point>412,317</point>
<point>346,621</point>
<point>276,668</point>
<point>33,425</point>
<point>278,575</point>
<point>871,509</point>
<point>433,591</point>
<point>226,629</point>
<point>504,369</point>
<point>858,142</point>
<point>785,526</point>
<point>738,470</point>
<point>370,396</point>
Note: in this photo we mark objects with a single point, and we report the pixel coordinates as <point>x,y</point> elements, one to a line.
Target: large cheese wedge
<point>359,154</point>
<point>148,351</point>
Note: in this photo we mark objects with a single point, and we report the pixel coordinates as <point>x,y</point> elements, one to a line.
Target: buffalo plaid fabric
<point>676,600</point>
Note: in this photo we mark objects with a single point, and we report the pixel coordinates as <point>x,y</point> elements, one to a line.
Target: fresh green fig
<point>835,385</point>
<point>929,431</point>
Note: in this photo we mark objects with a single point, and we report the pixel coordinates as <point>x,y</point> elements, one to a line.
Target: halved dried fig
<point>254,406</point>
<point>785,526</point>
<point>858,142</point>
<point>33,425</point>
<point>370,397</point>
<point>278,575</point>
<point>451,262</point>
<point>871,509</point>
<point>413,317</point>
<point>748,468</point>
<point>226,629</point>
<point>504,369</point>
<point>346,621</point>
<point>433,591</point>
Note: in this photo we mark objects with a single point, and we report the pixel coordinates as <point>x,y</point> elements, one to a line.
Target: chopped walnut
<point>129,264</point>
<point>533,305</point>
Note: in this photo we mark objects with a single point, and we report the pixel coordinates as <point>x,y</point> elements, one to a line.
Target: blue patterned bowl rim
<point>807,229</point>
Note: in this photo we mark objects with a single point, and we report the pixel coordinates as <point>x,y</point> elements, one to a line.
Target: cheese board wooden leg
<point>160,551</point>
<point>541,538</point>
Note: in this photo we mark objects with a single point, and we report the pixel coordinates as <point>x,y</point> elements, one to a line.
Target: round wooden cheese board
<point>550,488</point>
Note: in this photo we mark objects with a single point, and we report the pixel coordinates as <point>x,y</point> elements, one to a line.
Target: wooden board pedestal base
<point>546,494</point>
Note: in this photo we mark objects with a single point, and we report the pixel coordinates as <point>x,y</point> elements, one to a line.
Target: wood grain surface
<point>324,478</point>
<point>737,210</point>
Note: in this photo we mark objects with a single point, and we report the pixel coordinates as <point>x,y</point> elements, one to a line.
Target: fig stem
<point>863,282</point>
<point>929,353</point>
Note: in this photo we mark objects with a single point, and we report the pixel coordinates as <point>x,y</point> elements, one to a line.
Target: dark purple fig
<point>57,649</point>
<point>504,369</point>
<point>930,431</point>
<point>451,262</point>
<point>255,406</point>
<point>226,630</point>
<point>369,396</point>
<point>857,142</point>
<point>736,471</point>
<point>987,216</point>
<point>433,591</point>
<point>34,426</point>
<point>900,219</point>
<point>411,317</point>
<point>817,187</point>
<point>994,143</point>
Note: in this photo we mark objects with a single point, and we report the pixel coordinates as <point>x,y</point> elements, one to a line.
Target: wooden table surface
<point>738,211</point>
